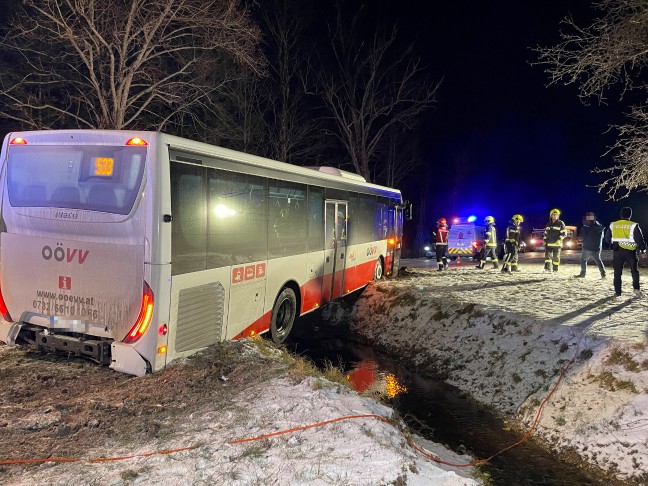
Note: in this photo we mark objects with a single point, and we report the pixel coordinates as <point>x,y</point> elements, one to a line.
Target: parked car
<point>429,250</point>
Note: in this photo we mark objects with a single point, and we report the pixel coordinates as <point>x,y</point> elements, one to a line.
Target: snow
<point>351,452</point>
<point>504,338</point>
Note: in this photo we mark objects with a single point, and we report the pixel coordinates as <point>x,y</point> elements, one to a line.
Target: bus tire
<point>378,269</point>
<point>283,315</point>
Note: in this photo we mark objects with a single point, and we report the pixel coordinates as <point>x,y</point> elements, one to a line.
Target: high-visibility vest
<point>623,234</point>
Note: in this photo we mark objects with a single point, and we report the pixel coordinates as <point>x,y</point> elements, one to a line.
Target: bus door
<point>396,232</point>
<point>335,222</point>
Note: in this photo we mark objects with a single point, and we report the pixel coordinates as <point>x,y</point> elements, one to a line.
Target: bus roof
<point>75,137</point>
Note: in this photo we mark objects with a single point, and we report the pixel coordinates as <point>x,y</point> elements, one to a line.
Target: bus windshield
<point>92,177</point>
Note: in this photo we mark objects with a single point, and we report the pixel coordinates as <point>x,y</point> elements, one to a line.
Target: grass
<point>619,357</point>
<point>611,383</point>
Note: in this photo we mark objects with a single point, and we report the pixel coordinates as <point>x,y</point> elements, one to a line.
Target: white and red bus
<point>136,248</point>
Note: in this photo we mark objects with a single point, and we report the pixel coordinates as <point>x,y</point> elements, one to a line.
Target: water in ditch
<point>435,410</point>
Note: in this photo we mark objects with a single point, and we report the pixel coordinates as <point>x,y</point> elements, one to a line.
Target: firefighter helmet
<point>554,211</point>
<point>441,221</point>
<point>517,218</point>
<point>489,220</point>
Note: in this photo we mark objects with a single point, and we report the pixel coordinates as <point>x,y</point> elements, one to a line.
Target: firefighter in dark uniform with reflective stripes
<point>490,243</point>
<point>626,239</point>
<point>554,234</point>
<point>441,244</point>
<point>512,244</point>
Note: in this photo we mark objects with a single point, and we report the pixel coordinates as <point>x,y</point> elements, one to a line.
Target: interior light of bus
<point>137,141</point>
<point>18,141</point>
<point>162,349</point>
<point>223,211</point>
<point>163,330</point>
<point>3,309</point>
<point>144,318</point>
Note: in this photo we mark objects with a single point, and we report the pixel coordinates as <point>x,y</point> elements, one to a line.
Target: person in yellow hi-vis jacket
<point>626,239</point>
<point>554,234</point>
<point>512,244</point>
<point>490,244</point>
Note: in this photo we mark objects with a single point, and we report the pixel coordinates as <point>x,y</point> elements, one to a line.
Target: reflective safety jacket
<point>441,236</point>
<point>625,234</point>
<point>554,233</point>
<point>513,233</point>
<point>490,236</point>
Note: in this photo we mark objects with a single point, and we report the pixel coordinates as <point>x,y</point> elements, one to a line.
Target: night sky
<point>501,141</point>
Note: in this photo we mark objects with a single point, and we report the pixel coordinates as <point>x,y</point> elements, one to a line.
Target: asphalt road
<point>569,260</point>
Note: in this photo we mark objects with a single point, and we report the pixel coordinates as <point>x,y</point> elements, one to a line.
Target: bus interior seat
<point>102,196</point>
<point>34,194</point>
<point>66,194</point>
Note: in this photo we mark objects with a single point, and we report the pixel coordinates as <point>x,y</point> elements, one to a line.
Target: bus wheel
<point>378,270</point>
<point>283,315</point>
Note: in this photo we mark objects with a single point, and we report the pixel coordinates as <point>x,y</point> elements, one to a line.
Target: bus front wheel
<point>283,315</point>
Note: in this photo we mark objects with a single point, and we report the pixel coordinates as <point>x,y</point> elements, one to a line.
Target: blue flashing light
<point>472,218</point>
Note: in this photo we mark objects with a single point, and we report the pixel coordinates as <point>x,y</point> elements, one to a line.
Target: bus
<point>135,248</point>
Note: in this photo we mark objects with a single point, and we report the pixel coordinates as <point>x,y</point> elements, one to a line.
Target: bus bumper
<point>126,359</point>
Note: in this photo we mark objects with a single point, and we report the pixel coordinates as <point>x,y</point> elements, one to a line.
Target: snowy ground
<point>192,405</point>
<point>505,338</point>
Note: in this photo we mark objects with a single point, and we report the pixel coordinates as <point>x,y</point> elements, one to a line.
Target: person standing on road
<point>554,234</point>
<point>592,237</point>
<point>626,239</point>
<point>512,244</point>
<point>441,244</point>
<point>490,244</point>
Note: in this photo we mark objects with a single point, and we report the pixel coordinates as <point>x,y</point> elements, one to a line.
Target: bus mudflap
<point>127,360</point>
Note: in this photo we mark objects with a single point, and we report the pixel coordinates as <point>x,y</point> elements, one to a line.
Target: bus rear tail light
<point>144,318</point>
<point>3,309</point>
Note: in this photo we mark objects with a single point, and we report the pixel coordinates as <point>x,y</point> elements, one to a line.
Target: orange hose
<point>311,426</point>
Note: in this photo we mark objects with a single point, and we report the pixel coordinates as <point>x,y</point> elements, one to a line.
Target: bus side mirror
<point>407,211</point>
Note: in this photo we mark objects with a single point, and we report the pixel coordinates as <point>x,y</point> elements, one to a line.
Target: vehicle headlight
<point>427,248</point>
<point>569,243</point>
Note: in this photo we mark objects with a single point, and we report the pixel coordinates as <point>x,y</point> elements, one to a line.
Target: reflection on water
<point>437,411</point>
<point>365,377</point>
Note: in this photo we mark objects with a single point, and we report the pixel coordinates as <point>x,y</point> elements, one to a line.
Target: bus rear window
<point>96,178</point>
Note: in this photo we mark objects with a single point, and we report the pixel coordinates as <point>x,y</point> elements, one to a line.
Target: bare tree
<point>370,87</point>
<point>293,132</point>
<point>612,51</point>
<point>398,155</point>
<point>121,63</point>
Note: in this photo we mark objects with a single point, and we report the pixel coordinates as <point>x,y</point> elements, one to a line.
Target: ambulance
<point>465,239</point>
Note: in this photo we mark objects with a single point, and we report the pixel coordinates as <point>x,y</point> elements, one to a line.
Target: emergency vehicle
<point>465,238</point>
<point>570,242</point>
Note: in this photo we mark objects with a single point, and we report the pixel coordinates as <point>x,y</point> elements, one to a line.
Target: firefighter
<point>512,244</point>
<point>441,243</point>
<point>554,234</point>
<point>490,244</point>
<point>626,239</point>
